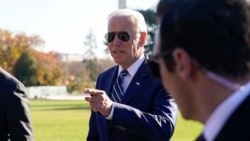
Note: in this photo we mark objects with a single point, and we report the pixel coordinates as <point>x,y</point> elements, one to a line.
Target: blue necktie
<point>118,90</point>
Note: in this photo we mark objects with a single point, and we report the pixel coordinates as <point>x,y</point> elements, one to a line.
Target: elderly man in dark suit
<point>204,52</point>
<point>129,104</point>
<point>15,122</point>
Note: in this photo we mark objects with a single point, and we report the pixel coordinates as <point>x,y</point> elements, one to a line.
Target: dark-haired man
<point>203,53</point>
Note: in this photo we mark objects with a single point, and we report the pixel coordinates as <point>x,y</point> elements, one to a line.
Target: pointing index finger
<point>93,92</point>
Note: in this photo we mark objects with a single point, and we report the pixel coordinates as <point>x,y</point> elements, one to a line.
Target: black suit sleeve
<point>17,113</point>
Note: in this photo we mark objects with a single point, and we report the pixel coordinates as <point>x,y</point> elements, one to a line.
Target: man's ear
<point>143,38</point>
<point>183,63</point>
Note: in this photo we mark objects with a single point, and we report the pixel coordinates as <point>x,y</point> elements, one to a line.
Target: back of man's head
<point>213,32</point>
<point>163,6</point>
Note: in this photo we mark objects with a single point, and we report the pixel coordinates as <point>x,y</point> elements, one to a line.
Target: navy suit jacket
<point>15,123</point>
<point>237,126</point>
<point>146,113</point>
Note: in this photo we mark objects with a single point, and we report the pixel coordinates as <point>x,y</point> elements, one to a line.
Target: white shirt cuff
<point>109,117</point>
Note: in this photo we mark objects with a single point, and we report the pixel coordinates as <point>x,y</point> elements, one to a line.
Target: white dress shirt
<point>131,70</point>
<point>127,79</point>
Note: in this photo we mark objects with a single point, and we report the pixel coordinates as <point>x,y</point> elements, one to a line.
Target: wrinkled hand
<point>99,101</point>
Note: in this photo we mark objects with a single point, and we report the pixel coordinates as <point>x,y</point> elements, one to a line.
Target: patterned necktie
<point>118,90</point>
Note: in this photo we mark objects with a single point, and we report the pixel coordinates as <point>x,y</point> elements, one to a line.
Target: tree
<point>13,45</point>
<point>90,43</point>
<point>35,68</point>
<point>76,76</point>
<point>90,59</point>
<point>26,69</point>
<point>49,68</point>
<point>151,21</point>
<point>94,70</point>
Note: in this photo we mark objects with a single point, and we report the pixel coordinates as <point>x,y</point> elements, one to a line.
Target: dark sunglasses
<point>123,36</point>
<point>153,63</point>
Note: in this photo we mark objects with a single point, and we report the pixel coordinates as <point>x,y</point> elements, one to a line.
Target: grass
<point>68,121</point>
<point>59,120</point>
<point>186,130</point>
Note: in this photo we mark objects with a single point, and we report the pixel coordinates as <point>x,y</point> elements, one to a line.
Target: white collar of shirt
<point>217,120</point>
<point>134,67</point>
<point>131,70</point>
<point>127,79</point>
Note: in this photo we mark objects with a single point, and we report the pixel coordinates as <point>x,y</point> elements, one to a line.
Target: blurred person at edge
<point>203,53</point>
<point>162,7</point>
<point>15,121</point>
<point>146,111</point>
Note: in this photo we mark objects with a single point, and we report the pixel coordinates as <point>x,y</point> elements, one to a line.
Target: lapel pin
<point>137,83</point>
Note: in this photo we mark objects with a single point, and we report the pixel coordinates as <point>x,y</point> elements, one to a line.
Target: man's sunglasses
<point>123,36</point>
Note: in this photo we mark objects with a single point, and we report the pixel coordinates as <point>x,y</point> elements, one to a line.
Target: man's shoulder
<point>9,81</point>
<point>6,75</point>
<point>110,70</point>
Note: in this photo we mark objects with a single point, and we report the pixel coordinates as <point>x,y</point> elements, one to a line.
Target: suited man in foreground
<point>139,109</point>
<point>204,55</point>
<point>15,121</point>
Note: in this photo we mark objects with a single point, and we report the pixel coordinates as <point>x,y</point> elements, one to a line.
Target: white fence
<point>44,91</point>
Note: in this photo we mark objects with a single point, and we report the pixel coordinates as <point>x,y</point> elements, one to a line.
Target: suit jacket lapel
<point>237,126</point>
<point>137,83</point>
<point>112,80</point>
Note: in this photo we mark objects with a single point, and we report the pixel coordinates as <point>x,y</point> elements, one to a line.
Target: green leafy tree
<point>26,69</point>
<point>151,21</point>
<point>35,68</point>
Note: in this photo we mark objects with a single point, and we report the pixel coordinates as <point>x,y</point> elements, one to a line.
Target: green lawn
<point>68,121</point>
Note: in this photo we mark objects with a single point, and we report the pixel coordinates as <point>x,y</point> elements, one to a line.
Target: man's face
<point>180,81</point>
<point>123,51</point>
<point>166,77</point>
<point>172,80</point>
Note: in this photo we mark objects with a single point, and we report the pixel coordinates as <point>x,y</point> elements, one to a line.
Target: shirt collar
<point>217,120</point>
<point>134,67</point>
